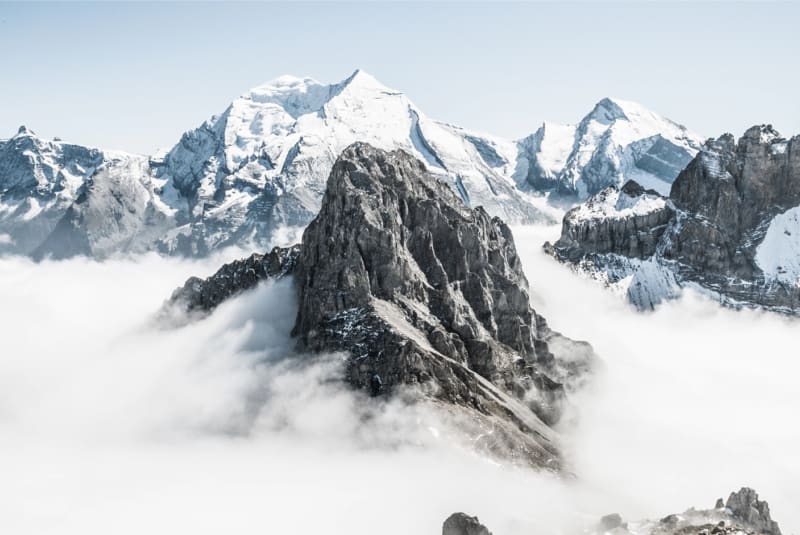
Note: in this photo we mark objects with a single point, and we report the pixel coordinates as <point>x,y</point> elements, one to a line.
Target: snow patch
<point>778,256</point>
<point>612,203</point>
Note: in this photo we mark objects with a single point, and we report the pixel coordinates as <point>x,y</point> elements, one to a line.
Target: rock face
<point>745,506</point>
<point>462,524</point>
<point>198,295</point>
<point>742,514</point>
<point>728,226</point>
<point>422,292</point>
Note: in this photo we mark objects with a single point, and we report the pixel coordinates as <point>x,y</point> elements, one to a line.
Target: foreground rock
<point>730,227</point>
<point>462,524</point>
<point>743,513</point>
<point>421,292</point>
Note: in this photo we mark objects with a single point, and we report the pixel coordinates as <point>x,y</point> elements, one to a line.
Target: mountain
<point>46,183</point>
<point>742,514</point>
<point>254,174</point>
<point>422,293</point>
<point>241,178</point>
<point>616,142</point>
<point>262,164</point>
<point>730,227</point>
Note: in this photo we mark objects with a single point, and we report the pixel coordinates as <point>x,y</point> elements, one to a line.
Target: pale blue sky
<point>135,76</point>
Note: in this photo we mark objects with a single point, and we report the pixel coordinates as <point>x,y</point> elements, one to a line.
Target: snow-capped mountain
<point>47,190</point>
<point>262,164</point>
<point>256,172</point>
<point>240,178</point>
<point>616,142</point>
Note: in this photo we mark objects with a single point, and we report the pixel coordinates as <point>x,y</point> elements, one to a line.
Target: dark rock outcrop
<point>203,295</point>
<point>463,524</point>
<point>707,232</point>
<point>607,224</point>
<point>422,292</point>
<point>742,513</point>
<point>745,507</point>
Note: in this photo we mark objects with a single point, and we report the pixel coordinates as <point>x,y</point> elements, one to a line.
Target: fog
<point>111,423</point>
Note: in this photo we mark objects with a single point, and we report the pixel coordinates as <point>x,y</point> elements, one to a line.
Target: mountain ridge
<point>728,228</point>
<point>245,176</point>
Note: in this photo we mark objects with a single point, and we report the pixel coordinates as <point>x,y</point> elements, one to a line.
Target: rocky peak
<point>388,237</point>
<point>760,134</point>
<point>606,111</point>
<point>738,185</point>
<point>711,231</point>
<point>423,293</point>
<point>745,506</point>
<point>463,524</point>
<point>25,131</point>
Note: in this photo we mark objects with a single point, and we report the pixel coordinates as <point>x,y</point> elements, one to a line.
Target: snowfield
<point>778,256</point>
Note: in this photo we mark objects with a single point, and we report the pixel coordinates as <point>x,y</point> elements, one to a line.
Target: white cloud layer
<point>109,424</point>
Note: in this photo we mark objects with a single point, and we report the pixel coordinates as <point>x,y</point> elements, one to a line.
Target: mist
<point>695,400</point>
<point>110,422</point>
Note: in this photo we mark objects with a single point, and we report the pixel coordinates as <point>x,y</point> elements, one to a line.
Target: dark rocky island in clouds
<point>422,293</point>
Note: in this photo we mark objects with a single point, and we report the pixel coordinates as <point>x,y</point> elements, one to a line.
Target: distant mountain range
<point>257,170</point>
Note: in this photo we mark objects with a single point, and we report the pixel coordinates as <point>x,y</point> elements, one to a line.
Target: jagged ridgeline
<point>420,291</point>
<point>743,513</point>
<point>730,227</point>
<point>257,170</point>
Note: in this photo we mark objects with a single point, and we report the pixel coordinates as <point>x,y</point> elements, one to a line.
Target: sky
<point>135,76</point>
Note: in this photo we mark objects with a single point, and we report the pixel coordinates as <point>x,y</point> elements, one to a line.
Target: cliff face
<point>728,226</point>
<point>422,292</point>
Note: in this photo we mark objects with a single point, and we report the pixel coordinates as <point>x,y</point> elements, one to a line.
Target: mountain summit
<point>258,169</point>
<point>730,228</point>
<point>422,293</point>
<point>615,142</point>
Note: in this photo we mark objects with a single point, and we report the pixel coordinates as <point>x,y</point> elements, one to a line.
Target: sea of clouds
<point>112,422</point>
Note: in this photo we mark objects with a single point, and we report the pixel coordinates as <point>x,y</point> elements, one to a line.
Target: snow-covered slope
<point>44,183</point>
<point>262,164</point>
<point>616,142</point>
<point>730,228</point>
<point>254,174</point>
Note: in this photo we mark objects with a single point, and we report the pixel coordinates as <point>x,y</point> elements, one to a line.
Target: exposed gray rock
<point>742,514</point>
<point>607,228</point>
<point>203,295</point>
<point>422,292</point>
<point>708,232</point>
<point>747,508</point>
<point>463,524</point>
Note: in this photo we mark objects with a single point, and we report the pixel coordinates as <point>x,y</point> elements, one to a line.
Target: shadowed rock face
<point>422,292</point>
<point>745,507</point>
<point>462,524</point>
<point>203,295</point>
<point>709,229</point>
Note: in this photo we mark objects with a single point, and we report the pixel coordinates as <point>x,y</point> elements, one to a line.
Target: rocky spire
<point>423,293</point>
